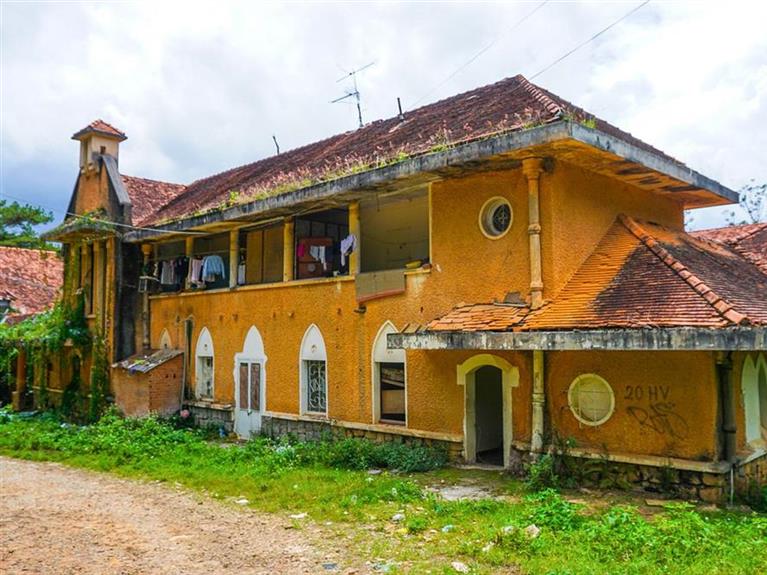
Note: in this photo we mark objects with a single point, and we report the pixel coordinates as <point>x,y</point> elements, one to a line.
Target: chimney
<point>98,138</point>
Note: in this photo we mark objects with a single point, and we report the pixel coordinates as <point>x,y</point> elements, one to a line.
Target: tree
<point>17,225</point>
<point>753,201</point>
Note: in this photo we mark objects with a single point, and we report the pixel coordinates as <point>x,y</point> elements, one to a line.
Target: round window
<point>495,217</point>
<point>591,399</point>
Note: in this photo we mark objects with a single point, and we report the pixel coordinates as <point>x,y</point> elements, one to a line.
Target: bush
<point>541,474</point>
<point>548,509</point>
<point>360,454</point>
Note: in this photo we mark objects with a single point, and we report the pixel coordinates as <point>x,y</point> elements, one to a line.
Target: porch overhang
<point>562,140</point>
<point>656,339</point>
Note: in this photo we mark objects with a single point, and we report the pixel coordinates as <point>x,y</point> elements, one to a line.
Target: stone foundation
<point>215,415</point>
<point>308,430</point>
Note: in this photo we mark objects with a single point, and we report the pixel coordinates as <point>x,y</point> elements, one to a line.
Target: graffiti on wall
<point>658,415</point>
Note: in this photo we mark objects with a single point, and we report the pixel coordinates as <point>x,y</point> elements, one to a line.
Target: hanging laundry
<point>167,273</point>
<point>318,253</point>
<point>241,274</point>
<point>195,272</point>
<point>301,250</point>
<point>212,267</point>
<point>348,245</point>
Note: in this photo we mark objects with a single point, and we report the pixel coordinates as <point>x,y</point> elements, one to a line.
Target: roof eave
<point>437,165</point>
<point>657,339</point>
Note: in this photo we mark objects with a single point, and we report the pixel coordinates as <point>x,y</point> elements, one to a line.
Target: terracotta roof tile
<point>32,278</point>
<point>640,275</point>
<point>480,317</point>
<point>101,127</point>
<point>508,105</point>
<point>147,196</point>
<point>749,240</point>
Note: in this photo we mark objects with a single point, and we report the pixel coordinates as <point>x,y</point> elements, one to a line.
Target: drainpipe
<point>532,168</point>
<point>727,415</point>
<point>539,399</point>
<point>146,249</point>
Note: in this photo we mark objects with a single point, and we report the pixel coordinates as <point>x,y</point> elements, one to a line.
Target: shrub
<point>548,509</point>
<point>541,474</point>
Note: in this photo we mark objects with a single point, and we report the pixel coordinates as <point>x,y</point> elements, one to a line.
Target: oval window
<point>591,399</point>
<point>495,217</point>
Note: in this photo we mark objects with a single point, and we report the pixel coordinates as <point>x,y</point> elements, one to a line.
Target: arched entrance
<point>249,385</point>
<point>487,430</point>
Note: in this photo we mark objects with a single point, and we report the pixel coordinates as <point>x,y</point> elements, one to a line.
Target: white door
<point>249,388</point>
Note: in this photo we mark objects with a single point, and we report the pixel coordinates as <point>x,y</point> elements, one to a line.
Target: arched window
<point>204,364</point>
<point>165,341</point>
<point>313,372</point>
<point>389,390</point>
<point>754,387</point>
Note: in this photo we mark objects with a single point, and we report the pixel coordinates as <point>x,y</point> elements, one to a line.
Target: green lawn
<point>579,534</point>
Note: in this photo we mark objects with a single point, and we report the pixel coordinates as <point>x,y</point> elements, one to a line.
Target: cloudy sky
<point>200,87</point>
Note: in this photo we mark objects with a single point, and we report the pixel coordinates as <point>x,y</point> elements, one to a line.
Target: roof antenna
<point>399,105</point>
<point>355,92</point>
<point>276,145</point>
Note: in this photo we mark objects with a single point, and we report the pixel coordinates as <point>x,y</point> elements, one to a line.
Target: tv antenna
<point>354,93</point>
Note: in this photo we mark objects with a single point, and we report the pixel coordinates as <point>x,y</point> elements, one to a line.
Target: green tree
<point>17,225</point>
<point>753,200</point>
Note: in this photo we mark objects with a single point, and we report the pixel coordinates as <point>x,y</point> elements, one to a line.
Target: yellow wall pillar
<point>288,253</point>
<point>539,400</point>
<point>85,280</point>
<point>354,229</point>
<point>234,256</point>
<point>532,168</point>
<point>189,252</point>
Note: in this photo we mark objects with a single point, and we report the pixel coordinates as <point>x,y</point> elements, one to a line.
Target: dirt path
<point>58,520</point>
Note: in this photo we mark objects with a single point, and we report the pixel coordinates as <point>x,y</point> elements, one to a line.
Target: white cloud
<point>202,86</point>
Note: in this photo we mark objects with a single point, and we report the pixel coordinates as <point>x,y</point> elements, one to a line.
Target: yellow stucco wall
<point>577,208</point>
<point>665,402</point>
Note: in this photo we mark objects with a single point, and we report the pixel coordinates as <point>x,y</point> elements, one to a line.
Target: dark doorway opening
<point>488,409</point>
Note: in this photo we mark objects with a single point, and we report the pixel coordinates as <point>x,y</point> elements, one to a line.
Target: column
<point>234,256</point>
<point>21,380</point>
<point>288,250</point>
<point>146,250</point>
<point>539,400</point>
<point>354,229</point>
<point>532,168</point>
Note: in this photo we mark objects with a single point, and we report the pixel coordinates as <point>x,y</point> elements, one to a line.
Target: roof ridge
<point>539,94</point>
<point>720,304</point>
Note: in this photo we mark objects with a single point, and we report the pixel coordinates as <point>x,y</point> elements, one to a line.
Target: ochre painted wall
<point>577,208</point>
<point>665,402</point>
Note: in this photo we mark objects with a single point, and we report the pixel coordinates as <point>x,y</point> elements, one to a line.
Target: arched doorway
<point>487,381</point>
<point>249,385</point>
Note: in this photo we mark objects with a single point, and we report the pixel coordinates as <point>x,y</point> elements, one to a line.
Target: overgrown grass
<point>329,481</point>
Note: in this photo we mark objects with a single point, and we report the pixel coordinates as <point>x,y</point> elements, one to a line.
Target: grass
<point>329,482</point>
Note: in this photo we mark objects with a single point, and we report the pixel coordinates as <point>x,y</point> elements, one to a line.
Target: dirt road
<point>58,520</point>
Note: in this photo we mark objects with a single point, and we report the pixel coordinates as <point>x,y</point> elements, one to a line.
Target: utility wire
<point>487,46</point>
<point>594,37</point>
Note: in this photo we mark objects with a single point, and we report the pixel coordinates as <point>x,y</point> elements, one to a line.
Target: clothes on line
<point>318,253</point>
<point>348,245</point>
<point>213,267</point>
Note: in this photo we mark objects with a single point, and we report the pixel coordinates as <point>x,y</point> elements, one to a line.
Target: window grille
<point>316,386</point>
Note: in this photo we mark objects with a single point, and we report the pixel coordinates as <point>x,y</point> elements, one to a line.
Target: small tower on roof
<point>98,138</point>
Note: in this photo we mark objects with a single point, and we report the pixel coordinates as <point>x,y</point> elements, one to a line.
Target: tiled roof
<point>32,278</point>
<point>101,127</point>
<point>480,317</point>
<point>749,240</point>
<point>508,105</point>
<point>147,196</point>
<point>640,275</point>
